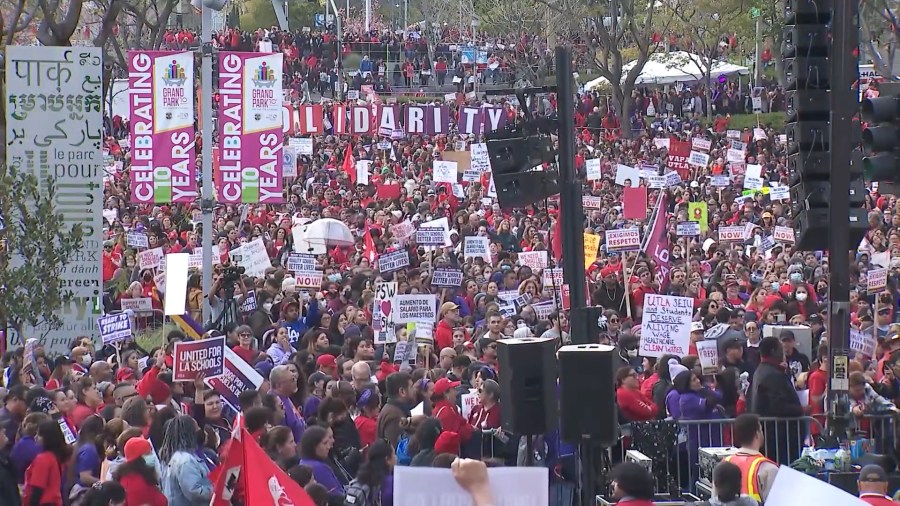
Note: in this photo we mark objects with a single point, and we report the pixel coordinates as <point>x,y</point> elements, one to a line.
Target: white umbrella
<point>328,231</point>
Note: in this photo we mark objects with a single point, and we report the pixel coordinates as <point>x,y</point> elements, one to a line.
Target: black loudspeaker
<point>528,385</point>
<point>587,393</point>
<point>584,324</point>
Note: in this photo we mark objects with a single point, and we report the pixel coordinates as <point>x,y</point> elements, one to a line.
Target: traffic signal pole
<point>844,72</point>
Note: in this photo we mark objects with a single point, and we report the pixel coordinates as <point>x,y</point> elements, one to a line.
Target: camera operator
<point>225,283</point>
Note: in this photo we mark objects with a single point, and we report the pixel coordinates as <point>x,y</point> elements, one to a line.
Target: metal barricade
<point>880,431</point>
<point>674,446</point>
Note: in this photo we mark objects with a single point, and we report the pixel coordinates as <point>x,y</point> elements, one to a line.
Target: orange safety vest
<point>749,466</point>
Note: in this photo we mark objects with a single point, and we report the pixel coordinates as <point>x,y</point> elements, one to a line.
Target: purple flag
<point>657,244</point>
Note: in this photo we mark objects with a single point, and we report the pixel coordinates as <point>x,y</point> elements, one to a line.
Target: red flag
<point>348,166</point>
<point>556,238</point>
<point>267,484</point>
<point>369,251</point>
<point>228,479</point>
<point>657,243</point>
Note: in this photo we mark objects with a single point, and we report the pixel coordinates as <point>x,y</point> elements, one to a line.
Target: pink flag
<point>656,245</point>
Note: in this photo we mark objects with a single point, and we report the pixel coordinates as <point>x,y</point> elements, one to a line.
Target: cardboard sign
<point>447,278</point>
<point>666,325</point>
<point>477,247</point>
<point>114,328</point>
<point>731,234</point>
<point>237,376</point>
<point>688,229</point>
<point>625,239</point>
<point>783,234</point>
<point>393,261</point>
<point>411,308</point>
<point>192,358</point>
<point>709,356</point>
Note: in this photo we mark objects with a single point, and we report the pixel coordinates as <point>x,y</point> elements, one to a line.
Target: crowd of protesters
<point>336,413</point>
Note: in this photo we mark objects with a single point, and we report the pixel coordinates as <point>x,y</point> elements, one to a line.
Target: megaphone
<point>216,5</point>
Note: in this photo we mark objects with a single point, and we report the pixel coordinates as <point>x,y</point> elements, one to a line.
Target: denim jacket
<point>185,481</point>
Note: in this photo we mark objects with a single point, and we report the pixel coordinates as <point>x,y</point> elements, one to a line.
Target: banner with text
<point>192,358</point>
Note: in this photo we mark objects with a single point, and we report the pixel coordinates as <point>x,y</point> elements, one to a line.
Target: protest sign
<point>442,223</point>
<point>780,193</point>
<point>137,240</point>
<point>481,161</point>
<point>468,402</point>
<point>876,280</point>
<point>305,272</point>
<point>507,310</point>
<point>731,234</point>
<point>114,327</point>
<point>624,174</point>
<point>698,159</point>
<point>419,307</point>
<point>383,312</point>
<point>253,257</point>
<point>591,246</point>
<point>477,247</point>
<point>393,261</point>
<point>863,342</point>
<point>552,277</point>
<point>688,229</point>
<point>657,182</point>
<point>444,172</point>
<point>624,239</point>
<point>591,202</point>
<point>237,376</point>
<point>733,155</point>
<point>666,325</point>
<point>248,305</point>
<point>709,356</point>
<point>430,236</point>
<point>701,144</point>
<point>521,486</point>
<point>796,487</point>
<point>783,234</point>
<point>192,358</point>
<point>592,167</point>
<point>447,278</point>
<point>138,305</point>
<point>673,179</point>
<point>68,435</point>
<point>720,181</point>
<point>534,259</point>
<point>300,261</point>
<point>151,258</point>
<point>403,230</point>
<point>543,309</point>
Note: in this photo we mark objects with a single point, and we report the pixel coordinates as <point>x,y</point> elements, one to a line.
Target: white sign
<point>383,312</point>
<point>701,144</point>
<point>481,161</point>
<point>626,173</point>
<point>672,179</point>
<point>289,161</point>
<point>688,229</point>
<point>138,305</point>
<point>477,247</point>
<point>393,261</point>
<point>362,171</point>
<point>445,172</point>
<point>430,236</point>
<point>137,240</point>
<point>863,342</point>
<point>757,104</point>
<point>666,325</point>
<point>731,234</point>
<point>305,146</point>
<point>592,167</point>
<point>623,239</point>
<point>657,182</point>
<point>876,280</point>
<point>709,356</point>
<point>591,202</point>
<point>780,193</point>
<point>794,487</point>
<point>468,402</point>
<point>735,156</point>
<point>253,257</point>
<point>783,234</point>
<point>720,181</point>
<point>534,259</point>
<point>443,223</point>
<point>698,159</point>
<point>411,308</point>
<point>151,258</point>
<point>447,278</point>
<point>424,486</point>
<point>305,272</point>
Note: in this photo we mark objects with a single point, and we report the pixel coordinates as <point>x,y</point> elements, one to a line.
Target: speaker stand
<point>529,450</point>
<point>586,450</point>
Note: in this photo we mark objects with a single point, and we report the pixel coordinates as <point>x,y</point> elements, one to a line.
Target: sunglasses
<point>613,320</point>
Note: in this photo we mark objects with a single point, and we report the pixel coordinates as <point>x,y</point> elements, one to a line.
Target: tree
<point>525,16</point>
<point>706,24</point>
<point>772,19</point>
<point>261,14</point>
<point>880,34</point>
<point>35,245</point>
<point>58,22</point>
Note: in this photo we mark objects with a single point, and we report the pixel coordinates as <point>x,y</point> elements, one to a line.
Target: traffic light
<point>880,141</point>
<point>808,61</point>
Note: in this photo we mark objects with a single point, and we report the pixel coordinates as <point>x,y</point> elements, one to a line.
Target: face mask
<point>86,359</point>
<point>633,353</point>
<point>775,286</point>
<point>150,459</point>
<point>334,278</point>
<point>801,296</point>
<point>796,277</point>
<point>267,307</point>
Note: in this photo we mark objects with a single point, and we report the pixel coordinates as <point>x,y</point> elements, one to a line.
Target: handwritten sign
<point>253,257</point>
<point>863,342</point>
<point>783,234</point>
<point>447,278</point>
<point>411,308</point>
<point>709,356</point>
<point>701,144</point>
<point>151,258</point>
<point>731,234</point>
<point>477,247</point>
<point>383,312</point>
<point>625,239</point>
<point>192,358</point>
<point>445,171</point>
<point>666,325</point>
<point>114,328</point>
<point>591,246</point>
<point>393,261</point>
<point>592,167</point>
<point>480,160</point>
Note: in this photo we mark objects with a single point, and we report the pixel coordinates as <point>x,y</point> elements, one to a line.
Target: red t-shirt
<point>244,353</point>
<point>44,473</point>
<point>878,500</point>
<point>367,428</point>
<point>140,493</point>
<point>816,382</point>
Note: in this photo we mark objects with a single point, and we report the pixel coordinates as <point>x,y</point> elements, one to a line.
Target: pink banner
<point>161,105</point>
<point>250,129</point>
<point>657,245</point>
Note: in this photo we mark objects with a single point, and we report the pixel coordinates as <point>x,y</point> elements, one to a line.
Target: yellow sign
<point>697,212</point>
<point>591,246</point>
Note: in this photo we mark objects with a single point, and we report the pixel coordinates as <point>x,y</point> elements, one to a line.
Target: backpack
<point>403,456</point>
<point>358,494</point>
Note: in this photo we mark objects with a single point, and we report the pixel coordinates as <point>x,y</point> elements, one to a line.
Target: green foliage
<point>351,61</point>
<point>35,245</point>
<point>261,14</point>
<point>775,120</point>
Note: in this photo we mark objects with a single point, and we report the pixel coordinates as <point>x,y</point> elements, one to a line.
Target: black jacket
<point>772,394</point>
<point>9,489</point>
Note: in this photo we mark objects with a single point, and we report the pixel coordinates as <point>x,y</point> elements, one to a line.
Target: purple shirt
<point>23,454</point>
<point>292,418</point>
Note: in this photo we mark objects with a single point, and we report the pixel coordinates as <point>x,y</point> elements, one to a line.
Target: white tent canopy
<point>674,67</point>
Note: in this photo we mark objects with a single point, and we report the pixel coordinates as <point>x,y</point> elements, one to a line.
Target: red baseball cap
<point>442,385</point>
<point>326,361</point>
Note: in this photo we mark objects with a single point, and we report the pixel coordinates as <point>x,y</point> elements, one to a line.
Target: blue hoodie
<point>298,327</point>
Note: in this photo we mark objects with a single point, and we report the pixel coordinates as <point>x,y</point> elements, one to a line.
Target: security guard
<point>758,472</point>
